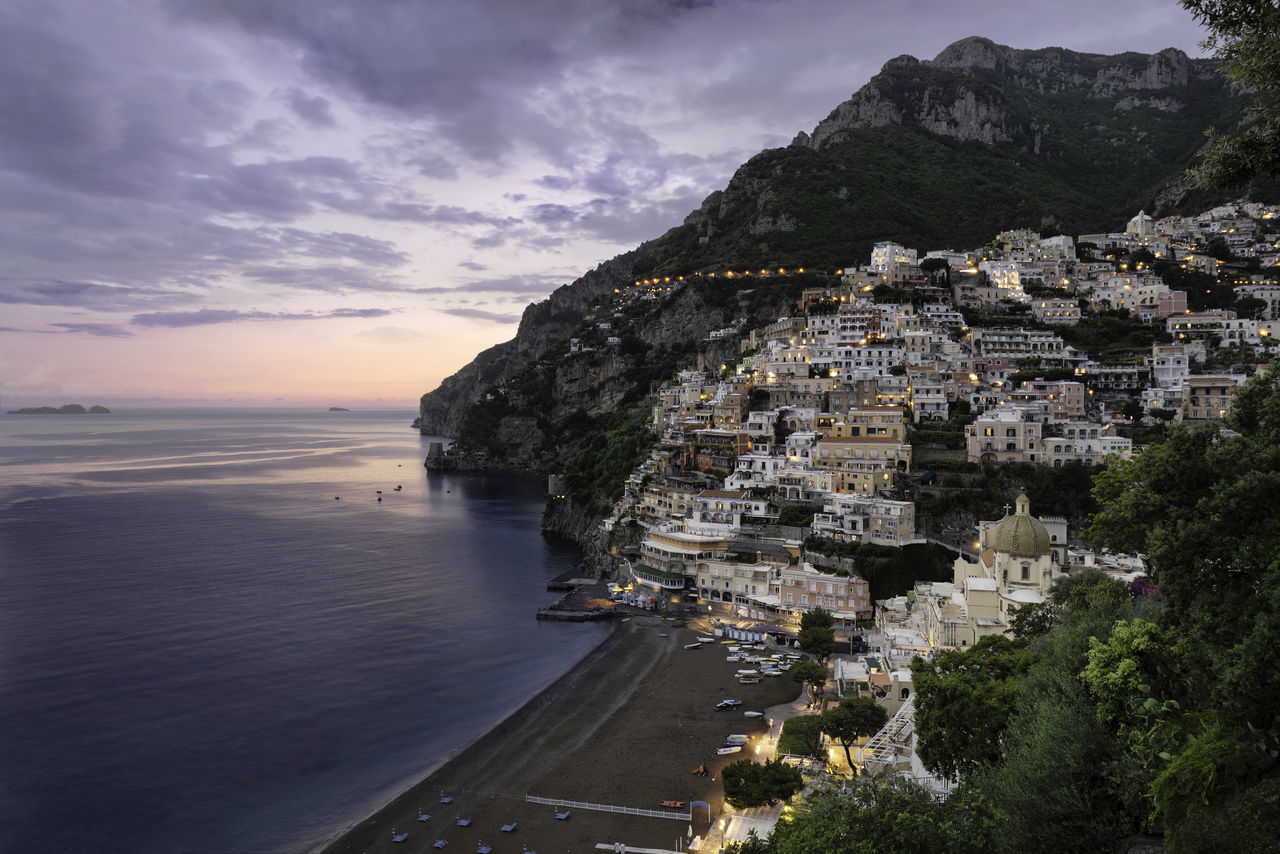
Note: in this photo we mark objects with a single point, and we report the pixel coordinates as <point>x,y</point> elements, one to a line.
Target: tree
<point>801,735</point>
<point>817,641</point>
<point>854,718</point>
<point>896,816</point>
<point>1034,619</point>
<point>812,674</point>
<point>964,701</point>
<point>752,784</point>
<point>817,617</point>
<point>1200,506</point>
<point>1245,39</point>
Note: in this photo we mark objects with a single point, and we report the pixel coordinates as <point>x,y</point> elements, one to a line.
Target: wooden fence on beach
<point>580,805</point>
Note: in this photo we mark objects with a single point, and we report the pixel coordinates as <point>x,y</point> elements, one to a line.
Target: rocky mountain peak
<point>967,91</point>
<point>973,52</point>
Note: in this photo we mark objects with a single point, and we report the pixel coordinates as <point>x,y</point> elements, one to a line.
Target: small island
<point>338,409</point>
<point>68,409</point>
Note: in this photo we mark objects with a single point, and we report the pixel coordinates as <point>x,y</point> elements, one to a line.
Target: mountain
<point>931,154</point>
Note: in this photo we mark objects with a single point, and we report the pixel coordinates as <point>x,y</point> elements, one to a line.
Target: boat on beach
<point>729,748</point>
<point>694,645</point>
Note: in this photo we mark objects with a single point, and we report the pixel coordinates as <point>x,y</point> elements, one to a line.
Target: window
<point>1010,432</point>
<point>1026,572</point>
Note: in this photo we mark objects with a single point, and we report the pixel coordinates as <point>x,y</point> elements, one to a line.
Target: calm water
<point>201,650</point>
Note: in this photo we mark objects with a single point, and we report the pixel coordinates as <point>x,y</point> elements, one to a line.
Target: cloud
<point>481,314</point>
<point>101,330</point>
<point>210,316</point>
<point>312,109</point>
<point>83,295</point>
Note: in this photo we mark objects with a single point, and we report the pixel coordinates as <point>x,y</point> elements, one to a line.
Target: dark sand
<point>624,727</point>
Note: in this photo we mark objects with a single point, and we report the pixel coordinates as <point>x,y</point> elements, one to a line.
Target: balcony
<point>659,579</point>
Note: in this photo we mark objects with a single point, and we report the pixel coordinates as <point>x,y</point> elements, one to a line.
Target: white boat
<point>695,645</point>
<point>749,680</point>
<point>753,714</point>
<point>747,673</point>
<point>706,640</point>
<point>738,738</point>
<point>725,751</point>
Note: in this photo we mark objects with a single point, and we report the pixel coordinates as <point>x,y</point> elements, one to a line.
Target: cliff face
<point>543,324</point>
<point>976,91</point>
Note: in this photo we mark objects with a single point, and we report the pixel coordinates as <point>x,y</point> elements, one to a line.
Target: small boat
<point>398,837</point>
<point>729,748</point>
<point>747,673</point>
<point>753,714</point>
<point>692,645</point>
<point>706,640</point>
<point>508,828</point>
<point>773,672</point>
<point>749,680</point>
<point>737,738</point>
<point>662,634</point>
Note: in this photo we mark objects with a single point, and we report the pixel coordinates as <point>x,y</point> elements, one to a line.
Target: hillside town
<point>825,410</point>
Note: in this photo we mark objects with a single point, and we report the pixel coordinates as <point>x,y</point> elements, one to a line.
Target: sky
<point>341,202</point>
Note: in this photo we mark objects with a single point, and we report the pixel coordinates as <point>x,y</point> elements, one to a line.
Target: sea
<point>216,639</point>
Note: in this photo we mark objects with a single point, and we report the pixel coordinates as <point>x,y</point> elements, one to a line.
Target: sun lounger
<point>562,815</point>
<point>507,828</point>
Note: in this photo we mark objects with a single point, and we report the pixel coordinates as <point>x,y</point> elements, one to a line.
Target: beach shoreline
<point>624,726</point>
<point>459,754</point>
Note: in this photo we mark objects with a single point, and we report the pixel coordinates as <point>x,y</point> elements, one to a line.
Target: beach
<point>624,727</point>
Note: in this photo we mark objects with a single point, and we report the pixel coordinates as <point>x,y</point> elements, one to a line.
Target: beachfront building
<point>802,588</point>
<point>670,558</point>
<point>739,579</point>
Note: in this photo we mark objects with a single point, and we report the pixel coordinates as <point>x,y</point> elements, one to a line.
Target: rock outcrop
<point>971,91</point>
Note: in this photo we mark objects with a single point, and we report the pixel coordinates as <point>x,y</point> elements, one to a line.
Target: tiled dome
<point>1022,534</point>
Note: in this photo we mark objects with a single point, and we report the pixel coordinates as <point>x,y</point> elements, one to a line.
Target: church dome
<point>1021,535</point>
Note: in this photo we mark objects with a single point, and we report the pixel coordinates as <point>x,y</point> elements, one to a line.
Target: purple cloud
<point>210,316</point>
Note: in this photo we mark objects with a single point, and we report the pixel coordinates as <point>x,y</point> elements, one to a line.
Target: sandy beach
<point>625,727</point>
